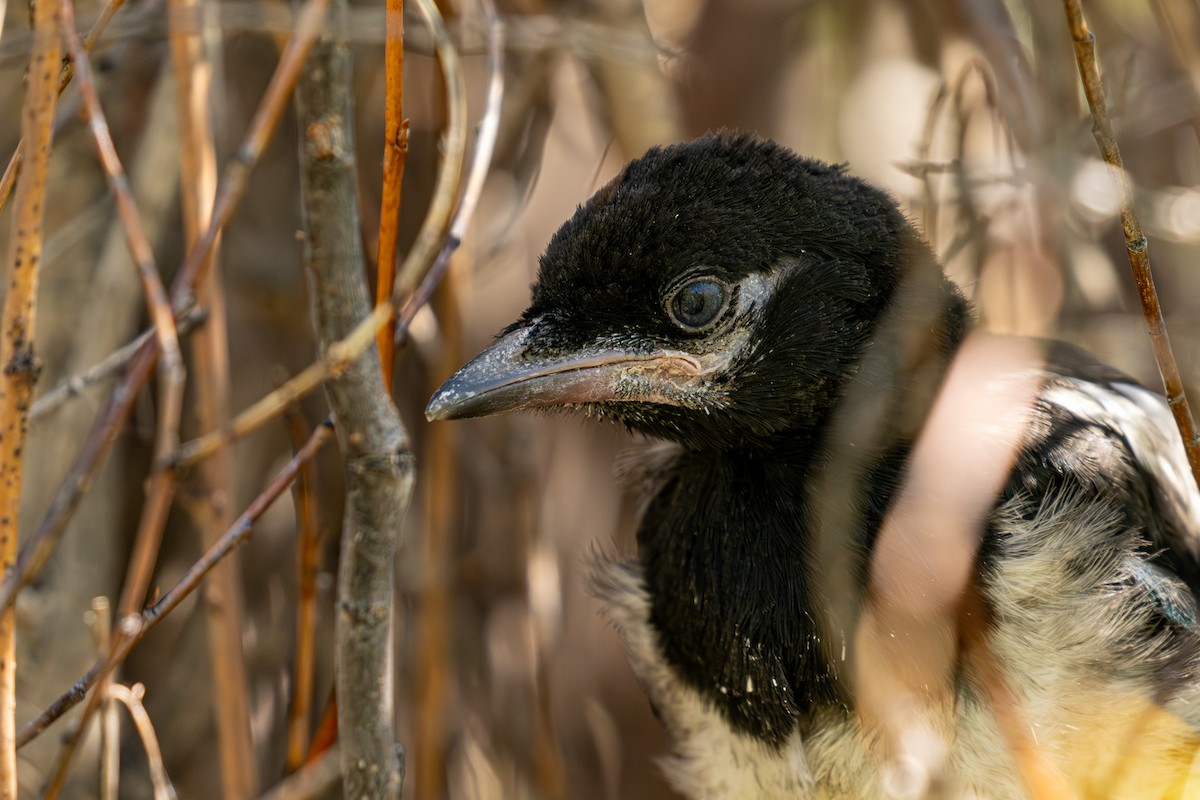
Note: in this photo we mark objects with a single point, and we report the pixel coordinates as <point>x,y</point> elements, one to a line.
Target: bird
<point>777,330</point>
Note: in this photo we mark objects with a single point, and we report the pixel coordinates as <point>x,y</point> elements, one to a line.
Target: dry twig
<point>68,71</point>
<point>305,498</point>
<point>131,697</point>
<point>425,263</point>
<point>1136,245</point>
<point>75,385</point>
<point>223,596</point>
<point>134,628</point>
<point>45,538</point>
<point>395,150</point>
<point>16,346</point>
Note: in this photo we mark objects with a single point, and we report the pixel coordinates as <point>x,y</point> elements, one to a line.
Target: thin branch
<point>134,628</point>
<point>334,362</point>
<point>20,368</point>
<point>161,491</point>
<point>1136,246</point>
<point>45,538</point>
<point>481,160</point>
<point>157,303</point>
<point>75,385</point>
<point>304,495</point>
<point>68,71</point>
<point>395,151</point>
<point>224,598</point>
<point>313,780</point>
<point>421,262</point>
<point>374,443</point>
<point>100,621</point>
<point>431,666</point>
<point>132,699</point>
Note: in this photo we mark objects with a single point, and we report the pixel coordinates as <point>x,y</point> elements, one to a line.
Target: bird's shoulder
<point>1099,436</point>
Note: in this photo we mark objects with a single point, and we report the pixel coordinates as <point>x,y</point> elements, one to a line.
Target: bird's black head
<point>717,293</point>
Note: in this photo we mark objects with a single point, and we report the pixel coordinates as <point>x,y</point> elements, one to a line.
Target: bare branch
<point>20,368</point>
<point>132,629</point>
<point>1136,246</point>
<point>395,151</point>
<point>45,538</point>
<point>132,699</point>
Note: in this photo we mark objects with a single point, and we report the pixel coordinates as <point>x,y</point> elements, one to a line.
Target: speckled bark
<point>374,444</point>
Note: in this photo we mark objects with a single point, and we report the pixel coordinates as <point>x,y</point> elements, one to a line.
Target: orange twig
<point>1136,245</point>
<point>16,348</point>
<point>308,552</point>
<point>395,152</point>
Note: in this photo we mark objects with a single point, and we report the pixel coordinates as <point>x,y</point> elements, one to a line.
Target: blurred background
<point>510,684</point>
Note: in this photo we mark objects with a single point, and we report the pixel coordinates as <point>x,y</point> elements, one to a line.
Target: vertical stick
<point>19,372</point>
<point>1136,245</point>
<point>223,594</point>
<point>374,444</point>
<point>395,151</point>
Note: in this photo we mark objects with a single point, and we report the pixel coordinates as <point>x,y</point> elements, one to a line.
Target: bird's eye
<point>697,303</point>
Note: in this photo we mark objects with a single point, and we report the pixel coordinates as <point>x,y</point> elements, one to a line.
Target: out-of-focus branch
<point>75,385</point>
<point>44,539</point>
<point>374,444</point>
<point>135,627</point>
<point>68,71</point>
<point>1136,245</point>
<point>906,646</point>
<point>132,699</point>
<point>20,367</point>
<point>304,492</point>
<point>314,779</point>
<point>481,160</point>
<point>223,595</point>
<point>99,619</point>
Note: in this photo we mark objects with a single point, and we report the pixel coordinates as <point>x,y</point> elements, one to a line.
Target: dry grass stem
<point>481,160</point>
<point>433,670</point>
<point>16,345</point>
<point>1136,246</point>
<point>429,239</point>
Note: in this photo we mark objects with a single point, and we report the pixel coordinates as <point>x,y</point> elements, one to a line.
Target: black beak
<point>503,378</point>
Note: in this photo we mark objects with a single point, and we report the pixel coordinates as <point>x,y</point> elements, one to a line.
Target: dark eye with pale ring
<point>698,303</point>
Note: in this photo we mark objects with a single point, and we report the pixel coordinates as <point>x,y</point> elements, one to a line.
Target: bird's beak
<point>504,378</point>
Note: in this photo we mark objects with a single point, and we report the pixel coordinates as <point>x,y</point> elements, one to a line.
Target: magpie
<point>741,306</point>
